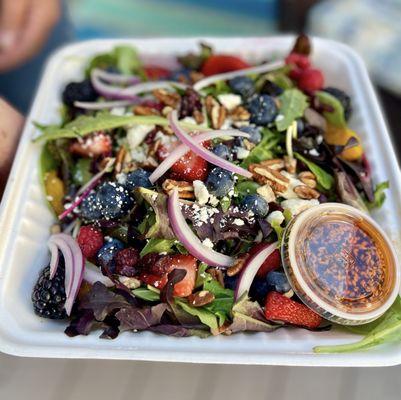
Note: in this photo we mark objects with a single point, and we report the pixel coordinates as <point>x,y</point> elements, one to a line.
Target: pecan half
<point>198,117</point>
<point>274,163</point>
<point>196,76</point>
<point>185,189</point>
<point>306,192</point>
<point>216,112</point>
<point>240,113</point>
<point>168,98</point>
<point>120,159</point>
<point>237,267</point>
<point>266,175</point>
<point>217,274</point>
<point>308,178</point>
<point>200,299</point>
<point>290,164</point>
<point>143,110</point>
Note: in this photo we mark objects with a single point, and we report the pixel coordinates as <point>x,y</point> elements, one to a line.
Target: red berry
<point>97,144</point>
<point>155,73</point>
<point>299,60</point>
<point>311,80</point>
<point>219,63</point>
<point>90,240</point>
<point>126,260</point>
<point>283,309</point>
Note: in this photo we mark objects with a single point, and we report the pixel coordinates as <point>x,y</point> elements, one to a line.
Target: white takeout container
<point>25,221</point>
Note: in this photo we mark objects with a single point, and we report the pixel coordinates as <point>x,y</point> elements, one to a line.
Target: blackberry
<point>48,296</point>
<point>79,91</point>
<point>343,98</point>
<point>190,102</point>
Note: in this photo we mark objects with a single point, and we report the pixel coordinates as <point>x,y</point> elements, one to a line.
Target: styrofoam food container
<point>25,221</point>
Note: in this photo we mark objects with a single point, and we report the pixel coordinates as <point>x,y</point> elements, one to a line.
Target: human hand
<point>24,27</point>
<point>11,122</point>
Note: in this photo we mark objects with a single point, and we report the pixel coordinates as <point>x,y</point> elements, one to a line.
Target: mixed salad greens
<point>172,188</point>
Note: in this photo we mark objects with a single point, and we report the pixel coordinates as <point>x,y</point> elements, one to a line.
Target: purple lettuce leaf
<point>175,276</point>
<point>134,318</point>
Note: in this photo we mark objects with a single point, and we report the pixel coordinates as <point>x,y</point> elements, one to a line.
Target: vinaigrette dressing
<point>340,263</point>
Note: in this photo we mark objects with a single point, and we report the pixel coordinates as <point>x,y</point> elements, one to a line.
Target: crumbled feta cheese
<point>238,221</point>
<point>130,283</point>
<point>295,206</point>
<point>121,178</point>
<point>164,139</point>
<point>294,182</point>
<point>189,120</point>
<point>275,218</point>
<point>229,100</point>
<point>208,243</point>
<point>279,117</point>
<point>201,192</point>
<point>227,124</point>
<point>266,192</point>
<point>213,200</point>
<point>314,152</point>
<point>119,111</point>
<point>136,134</point>
<point>139,154</point>
<point>242,153</point>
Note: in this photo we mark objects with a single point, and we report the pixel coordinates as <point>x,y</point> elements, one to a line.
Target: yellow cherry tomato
<point>55,191</point>
<point>339,137</point>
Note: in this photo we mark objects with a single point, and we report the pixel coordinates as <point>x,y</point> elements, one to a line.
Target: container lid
<point>343,262</point>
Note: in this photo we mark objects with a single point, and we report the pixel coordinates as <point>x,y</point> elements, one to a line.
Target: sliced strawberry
<point>165,265</point>
<point>270,264</point>
<point>283,309</point>
<point>219,63</point>
<point>155,73</point>
<point>97,144</point>
<point>188,168</point>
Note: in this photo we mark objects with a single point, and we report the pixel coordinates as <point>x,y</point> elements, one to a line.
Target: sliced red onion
<point>260,69</point>
<point>131,92</point>
<point>251,268</point>
<point>74,266</point>
<point>113,77</point>
<point>93,274</point>
<point>95,105</point>
<point>182,149</point>
<point>86,189</point>
<point>191,242</point>
<point>54,259</point>
<point>201,151</point>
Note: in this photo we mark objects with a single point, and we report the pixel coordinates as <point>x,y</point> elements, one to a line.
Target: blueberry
<point>255,136</point>
<point>222,151</point>
<point>257,204</point>
<point>343,98</point>
<point>89,209</point>
<point>107,253</point>
<point>113,200</point>
<point>230,282</point>
<point>79,91</point>
<point>278,281</point>
<point>180,75</point>
<point>219,182</point>
<point>259,289</point>
<point>242,85</point>
<point>263,109</point>
<point>271,89</point>
<point>138,178</point>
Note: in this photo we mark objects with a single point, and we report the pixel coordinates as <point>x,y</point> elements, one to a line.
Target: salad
<point>173,187</point>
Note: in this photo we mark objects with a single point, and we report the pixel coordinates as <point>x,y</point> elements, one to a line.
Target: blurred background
<point>373,29</point>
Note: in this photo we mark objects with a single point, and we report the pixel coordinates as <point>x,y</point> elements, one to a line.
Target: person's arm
<point>11,122</point>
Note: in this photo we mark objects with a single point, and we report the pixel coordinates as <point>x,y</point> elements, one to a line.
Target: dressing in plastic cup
<point>340,263</point>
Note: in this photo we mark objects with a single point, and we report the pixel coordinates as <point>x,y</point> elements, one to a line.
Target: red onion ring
<point>93,274</point>
<point>260,69</point>
<point>113,77</point>
<point>74,266</point>
<point>191,242</point>
<point>201,151</point>
<point>182,149</point>
<point>54,259</point>
<point>86,189</point>
<point>89,105</point>
<point>251,268</point>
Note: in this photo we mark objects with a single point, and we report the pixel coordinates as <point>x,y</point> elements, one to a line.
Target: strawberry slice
<point>188,168</point>
<point>165,265</point>
<point>270,264</point>
<point>283,309</point>
<point>219,63</point>
<point>98,144</point>
<point>155,73</point>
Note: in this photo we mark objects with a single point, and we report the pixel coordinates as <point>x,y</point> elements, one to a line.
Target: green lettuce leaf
<point>146,294</point>
<point>386,330</point>
<point>81,173</point>
<point>156,245</point>
<point>336,116</point>
<point>205,316</point>
<point>224,299</point>
<point>379,195</point>
<point>323,178</point>
<point>293,105</point>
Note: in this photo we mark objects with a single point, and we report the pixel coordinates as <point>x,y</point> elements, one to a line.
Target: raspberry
<point>126,260</point>
<point>311,80</point>
<point>299,60</point>
<point>90,240</point>
<point>161,266</point>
